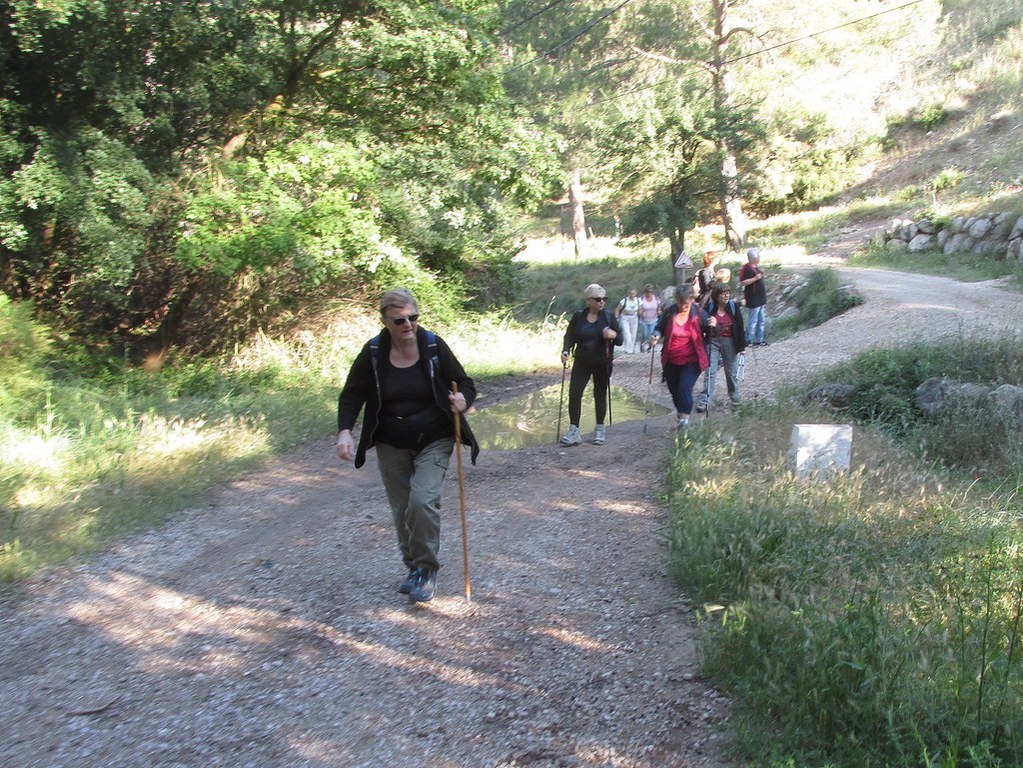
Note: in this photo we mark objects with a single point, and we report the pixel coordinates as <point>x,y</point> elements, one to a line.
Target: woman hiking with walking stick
<point>400,381</point>
<point>592,333</point>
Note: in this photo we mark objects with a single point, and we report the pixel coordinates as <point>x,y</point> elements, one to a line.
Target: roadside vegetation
<point>876,619</point>
<point>94,449</point>
<point>967,267</point>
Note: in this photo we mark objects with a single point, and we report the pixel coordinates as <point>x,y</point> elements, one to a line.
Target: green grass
<point>874,619</point>
<point>818,301</point>
<point>965,267</point>
<point>553,279</point>
<point>814,229</point>
<point>93,453</point>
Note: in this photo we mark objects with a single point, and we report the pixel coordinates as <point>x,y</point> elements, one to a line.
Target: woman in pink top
<point>649,309</point>
<point>683,356</point>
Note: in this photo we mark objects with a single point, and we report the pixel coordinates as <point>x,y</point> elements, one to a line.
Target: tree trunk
<point>729,199</point>
<point>575,197</point>
<point>677,238</point>
<point>157,346</point>
<point>732,217</point>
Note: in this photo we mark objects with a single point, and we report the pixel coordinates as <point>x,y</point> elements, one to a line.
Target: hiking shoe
<point>599,434</point>
<point>701,407</point>
<point>410,581</point>
<point>572,437</point>
<point>683,424</point>
<point>423,586</point>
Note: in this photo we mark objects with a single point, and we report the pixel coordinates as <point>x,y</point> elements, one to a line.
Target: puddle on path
<point>533,419</point>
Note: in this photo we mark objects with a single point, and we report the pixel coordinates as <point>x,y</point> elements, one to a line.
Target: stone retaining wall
<point>998,234</point>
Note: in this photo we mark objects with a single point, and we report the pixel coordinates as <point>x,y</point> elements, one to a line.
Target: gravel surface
<point>264,627</point>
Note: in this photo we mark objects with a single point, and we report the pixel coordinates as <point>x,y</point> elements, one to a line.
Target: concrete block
<point>821,450</point>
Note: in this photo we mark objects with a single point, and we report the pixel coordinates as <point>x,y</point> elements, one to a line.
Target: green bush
<point>818,301</point>
<point>24,347</point>
<point>867,621</point>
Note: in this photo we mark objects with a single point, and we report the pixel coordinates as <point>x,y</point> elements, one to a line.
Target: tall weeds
<point>90,451</point>
<point>872,620</point>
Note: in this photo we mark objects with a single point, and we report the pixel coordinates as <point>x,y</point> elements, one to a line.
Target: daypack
<point>431,345</point>
<point>413,431</point>
<point>708,332</point>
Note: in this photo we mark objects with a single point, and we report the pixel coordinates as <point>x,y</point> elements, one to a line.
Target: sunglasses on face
<point>406,319</point>
<point>599,298</point>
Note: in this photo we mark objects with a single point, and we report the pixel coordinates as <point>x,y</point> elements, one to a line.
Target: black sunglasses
<point>599,298</point>
<point>407,319</point>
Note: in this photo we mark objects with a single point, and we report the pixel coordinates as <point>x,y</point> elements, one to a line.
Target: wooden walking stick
<point>461,497</point>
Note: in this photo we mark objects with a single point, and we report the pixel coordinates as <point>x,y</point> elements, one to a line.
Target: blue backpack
<point>431,344</point>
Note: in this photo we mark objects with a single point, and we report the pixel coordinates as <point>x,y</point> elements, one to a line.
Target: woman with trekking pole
<point>400,380</point>
<point>683,355</point>
<point>592,335</point>
<point>726,342</point>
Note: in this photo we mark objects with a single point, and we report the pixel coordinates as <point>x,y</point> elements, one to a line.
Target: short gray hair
<point>685,291</point>
<point>397,298</point>
<point>753,254</point>
<point>594,291</point>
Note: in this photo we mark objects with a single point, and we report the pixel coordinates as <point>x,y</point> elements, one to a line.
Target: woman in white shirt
<point>628,318</point>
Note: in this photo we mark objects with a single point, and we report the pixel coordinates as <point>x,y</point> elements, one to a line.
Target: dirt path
<point>264,628</point>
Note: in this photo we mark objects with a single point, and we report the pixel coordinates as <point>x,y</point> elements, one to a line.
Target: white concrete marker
<point>821,450</point>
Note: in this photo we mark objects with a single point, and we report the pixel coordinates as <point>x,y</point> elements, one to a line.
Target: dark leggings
<point>581,373</point>
<point>680,380</point>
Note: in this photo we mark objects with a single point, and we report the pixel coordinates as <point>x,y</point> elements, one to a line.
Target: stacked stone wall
<point>997,235</point>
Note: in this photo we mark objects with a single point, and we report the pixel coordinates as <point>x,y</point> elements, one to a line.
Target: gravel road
<point>263,627</point>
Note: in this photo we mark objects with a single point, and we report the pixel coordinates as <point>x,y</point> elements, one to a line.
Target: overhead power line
<point>823,31</point>
<point>573,37</point>
<point>772,47</point>
<point>530,17</point>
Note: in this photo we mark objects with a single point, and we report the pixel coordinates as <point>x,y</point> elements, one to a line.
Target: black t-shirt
<point>755,293</point>
<point>403,391</point>
<point>591,346</point>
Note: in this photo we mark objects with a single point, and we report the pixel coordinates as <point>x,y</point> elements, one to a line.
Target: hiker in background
<point>649,310</point>
<point>683,355</point>
<point>751,278</point>
<point>705,277</point>
<point>627,313</point>
<point>592,334</point>
<point>726,340</point>
<point>722,276</point>
<point>400,379</point>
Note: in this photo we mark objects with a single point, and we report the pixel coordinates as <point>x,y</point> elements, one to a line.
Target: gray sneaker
<point>572,437</point>
<point>410,581</point>
<point>599,434</point>
<point>423,587</point>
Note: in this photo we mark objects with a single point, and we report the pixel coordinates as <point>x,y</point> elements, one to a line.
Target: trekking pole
<point>461,497</point>
<point>710,351</point>
<point>649,386</point>
<point>610,418</point>
<point>561,400</point>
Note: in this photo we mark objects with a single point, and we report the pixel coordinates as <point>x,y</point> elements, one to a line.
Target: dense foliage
<point>187,174</point>
<point>168,163</point>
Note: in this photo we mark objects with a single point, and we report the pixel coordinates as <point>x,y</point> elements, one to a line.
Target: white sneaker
<point>599,434</point>
<point>683,423</point>
<point>572,437</point>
